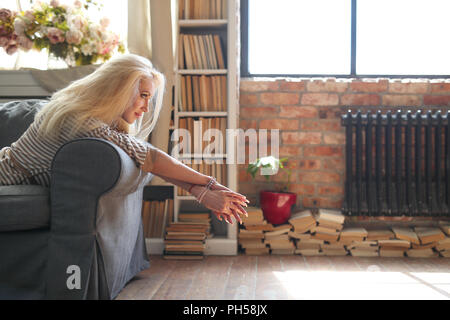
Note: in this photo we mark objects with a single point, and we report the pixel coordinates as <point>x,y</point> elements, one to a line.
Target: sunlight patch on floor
<point>371,284</point>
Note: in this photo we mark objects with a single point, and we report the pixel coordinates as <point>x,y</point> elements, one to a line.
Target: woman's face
<point>147,89</point>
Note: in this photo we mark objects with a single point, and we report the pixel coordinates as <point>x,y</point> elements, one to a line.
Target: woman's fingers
<point>241,210</point>
<point>236,215</point>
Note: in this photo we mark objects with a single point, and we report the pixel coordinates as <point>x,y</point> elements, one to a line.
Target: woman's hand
<point>222,203</point>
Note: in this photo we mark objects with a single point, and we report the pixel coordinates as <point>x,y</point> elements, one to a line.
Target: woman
<point>113,104</point>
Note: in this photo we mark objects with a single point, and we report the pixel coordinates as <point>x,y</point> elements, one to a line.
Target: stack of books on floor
<point>329,225</point>
<point>429,238</point>
<point>185,239</point>
<point>251,236</point>
<point>443,246</point>
<point>355,241</point>
<point>279,241</point>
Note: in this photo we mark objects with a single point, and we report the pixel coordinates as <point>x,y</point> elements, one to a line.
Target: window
<point>345,38</point>
<point>115,10</point>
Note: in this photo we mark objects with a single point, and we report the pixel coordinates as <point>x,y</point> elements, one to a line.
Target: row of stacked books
<point>156,215</point>
<point>206,134</point>
<point>203,93</point>
<point>202,9</point>
<point>215,169</point>
<point>324,234</point>
<point>185,239</point>
<point>200,52</point>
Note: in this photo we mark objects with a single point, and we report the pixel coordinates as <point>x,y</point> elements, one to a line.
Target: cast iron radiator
<point>397,163</point>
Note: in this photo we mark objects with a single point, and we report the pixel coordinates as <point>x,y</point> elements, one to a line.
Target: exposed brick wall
<point>308,114</point>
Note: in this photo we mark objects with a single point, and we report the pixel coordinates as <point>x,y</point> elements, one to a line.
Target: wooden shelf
<point>194,23</point>
<point>202,71</point>
<point>202,114</point>
<point>224,242</point>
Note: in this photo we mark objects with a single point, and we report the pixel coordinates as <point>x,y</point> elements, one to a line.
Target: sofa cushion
<point>24,207</point>
<point>15,118</point>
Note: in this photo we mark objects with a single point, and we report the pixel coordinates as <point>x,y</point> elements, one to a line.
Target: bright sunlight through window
<point>404,37</point>
<point>299,37</point>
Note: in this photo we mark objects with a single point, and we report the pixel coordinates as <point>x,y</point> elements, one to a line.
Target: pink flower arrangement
<point>65,31</point>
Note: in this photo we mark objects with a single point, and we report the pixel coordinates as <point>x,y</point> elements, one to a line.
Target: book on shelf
<point>391,253</point>
<point>257,251</point>
<point>202,9</point>
<point>309,252</point>
<point>443,245</point>
<point>203,93</point>
<point>348,235</point>
<point>422,253</point>
<point>279,230</point>
<point>250,234</point>
<point>406,234</point>
<point>364,252</point>
<point>380,234</point>
<point>201,52</point>
<point>155,216</point>
<point>396,244</point>
<point>429,235</point>
<point>445,227</point>
<point>331,217</point>
<point>283,251</point>
<point>252,243</point>
<point>302,221</point>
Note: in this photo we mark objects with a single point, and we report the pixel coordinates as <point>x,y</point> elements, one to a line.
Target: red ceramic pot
<point>276,206</point>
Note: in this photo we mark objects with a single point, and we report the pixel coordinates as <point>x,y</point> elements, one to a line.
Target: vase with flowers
<point>64,31</point>
<point>276,203</point>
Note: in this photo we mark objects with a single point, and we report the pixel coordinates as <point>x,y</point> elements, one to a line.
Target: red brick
<point>292,86</point>
<point>290,151</point>
<point>311,164</point>
<point>298,112</point>
<point>307,189</point>
<point>360,99</point>
<point>440,87</point>
<point>258,112</point>
<point>248,99</point>
<point>244,176</point>
<point>247,124</point>
<point>322,202</point>
<point>323,151</point>
<point>279,98</point>
<point>301,138</point>
<point>409,87</point>
<point>258,86</point>
<point>322,125</point>
<point>330,190</point>
<point>365,86</point>
<point>334,138</point>
<point>326,86</point>
<point>436,100</point>
<point>335,164</point>
<point>402,100</point>
<point>282,124</point>
<point>319,177</point>
<point>330,113</point>
<point>320,99</point>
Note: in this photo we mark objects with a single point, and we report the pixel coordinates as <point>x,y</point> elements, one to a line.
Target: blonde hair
<point>105,95</point>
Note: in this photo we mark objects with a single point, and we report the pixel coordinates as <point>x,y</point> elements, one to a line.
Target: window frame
<point>353,54</point>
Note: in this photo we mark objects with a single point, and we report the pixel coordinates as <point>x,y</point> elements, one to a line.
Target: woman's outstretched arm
<point>160,163</point>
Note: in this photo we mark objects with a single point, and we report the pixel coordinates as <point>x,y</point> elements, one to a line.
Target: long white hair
<point>105,95</point>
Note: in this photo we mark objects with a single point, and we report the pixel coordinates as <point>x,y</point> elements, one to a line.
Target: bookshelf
<point>205,96</point>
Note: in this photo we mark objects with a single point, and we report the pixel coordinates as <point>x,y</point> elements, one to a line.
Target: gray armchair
<point>81,238</point>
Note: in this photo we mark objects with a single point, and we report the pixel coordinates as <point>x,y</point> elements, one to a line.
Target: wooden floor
<point>291,277</point>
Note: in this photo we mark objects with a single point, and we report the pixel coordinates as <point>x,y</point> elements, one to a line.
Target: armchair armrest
<point>84,173</point>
